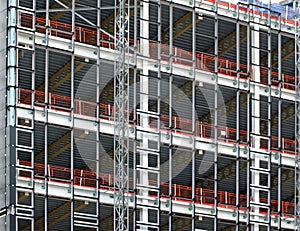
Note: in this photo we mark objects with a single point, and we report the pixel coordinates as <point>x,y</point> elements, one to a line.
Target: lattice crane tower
<point>121,115</point>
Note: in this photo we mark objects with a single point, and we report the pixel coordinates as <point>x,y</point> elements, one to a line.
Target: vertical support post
<point>237,161</point>
<point>4,110</point>
<point>46,170</point>
<point>255,114</point>
<point>136,48</point>
<point>144,103</point>
<point>97,122</point>
<point>159,29</point>
<point>216,92</point>
<point>72,115</point>
<point>170,117</point>
<point>279,208</point>
<point>269,116</point>
<point>121,116</point>
<point>147,149</point>
<point>11,65</point>
<point>11,113</point>
<point>249,71</point>
<point>297,119</point>
<point>254,121</point>
<point>194,119</point>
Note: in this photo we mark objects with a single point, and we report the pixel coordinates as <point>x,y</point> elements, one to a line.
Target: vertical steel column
<point>4,148</point>
<point>255,123</point>
<point>237,161</point>
<point>32,103</point>
<point>279,132</point>
<point>11,65</point>
<point>47,173</point>
<point>136,48</point>
<point>72,115</point>
<point>97,122</point>
<point>11,114</point>
<point>143,120</point>
<point>216,91</point>
<point>170,116</point>
<point>121,116</point>
<point>269,116</point>
<point>297,119</point>
<point>25,211</point>
<point>159,30</point>
<point>249,122</point>
<point>159,22</point>
<point>148,129</point>
<point>144,106</point>
<point>256,171</point>
<point>194,118</point>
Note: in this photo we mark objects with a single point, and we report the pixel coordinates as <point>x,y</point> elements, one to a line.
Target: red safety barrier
<point>203,61</point>
<point>179,125</point>
<point>85,178</point>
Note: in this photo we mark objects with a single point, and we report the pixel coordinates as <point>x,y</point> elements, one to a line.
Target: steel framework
<point>121,116</point>
<point>205,117</point>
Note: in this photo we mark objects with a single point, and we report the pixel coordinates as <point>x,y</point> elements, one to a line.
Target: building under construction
<point>148,115</point>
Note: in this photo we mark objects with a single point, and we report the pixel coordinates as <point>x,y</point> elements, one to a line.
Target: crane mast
<point>121,116</point>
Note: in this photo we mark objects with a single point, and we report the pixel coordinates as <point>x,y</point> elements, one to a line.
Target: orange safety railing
<point>203,61</point>
<point>179,125</point>
<point>203,196</point>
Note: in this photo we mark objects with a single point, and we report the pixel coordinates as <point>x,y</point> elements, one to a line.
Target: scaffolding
<point>149,115</point>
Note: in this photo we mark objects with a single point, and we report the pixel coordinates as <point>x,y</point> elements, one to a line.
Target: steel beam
<point>177,94</point>
<point>184,224</point>
<point>286,176</point>
<point>57,215</point>
<point>54,6</point>
<point>108,23</point>
<point>178,224</point>
<point>60,76</point>
<point>179,27</point>
<point>287,50</point>
<point>58,80</point>
<point>107,223</point>
<point>60,14</point>
<point>229,42</point>
<point>108,92</point>
<point>57,76</point>
<point>228,108</point>
<point>186,88</point>
<point>179,160</point>
<point>229,170</point>
<point>59,146</point>
<point>223,174</point>
<point>286,114</point>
